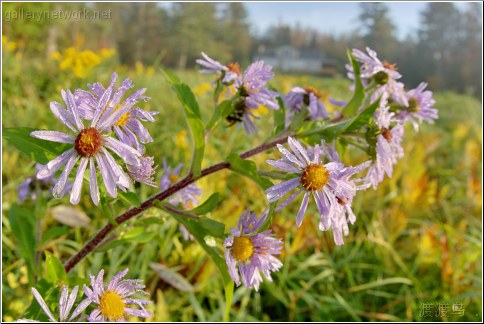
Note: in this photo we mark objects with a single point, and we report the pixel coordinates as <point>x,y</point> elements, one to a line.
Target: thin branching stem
<point>189,179</point>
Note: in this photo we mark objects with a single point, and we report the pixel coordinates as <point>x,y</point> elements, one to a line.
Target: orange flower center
<point>314,177</point>
<point>88,142</point>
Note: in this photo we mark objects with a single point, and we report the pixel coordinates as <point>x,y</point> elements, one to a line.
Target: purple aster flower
<point>113,300</point>
<point>298,98</point>
<point>31,187</point>
<point>253,93</point>
<point>382,74</point>
<point>90,146</point>
<point>228,72</point>
<point>388,144</point>
<point>188,196</point>
<point>102,104</point>
<point>144,171</point>
<point>329,184</point>
<point>419,108</point>
<point>66,301</point>
<point>253,252</point>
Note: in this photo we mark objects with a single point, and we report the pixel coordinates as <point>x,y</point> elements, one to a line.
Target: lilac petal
<point>114,116</point>
<point>117,278</point>
<point>323,207</point>
<point>288,200</point>
<point>70,302</point>
<point>77,187</point>
<point>63,115</point>
<point>43,305</point>
<point>138,312</point>
<point>302,209</point>
<point>93,182</point>
<point>122,178</point>
<point>140,130</point>
<point>63,303</point>
<point>109,182</point>
<point>276,192</point>
<point>298,150</point>
<point>58,190</point>
<point>283,166</point>
<point>72,107</point>
<point>80,308</point>
<point>125,152</point>
<point>291,157</point>
<point>232,267</point>
<point>104,101</point>
<point>53,136</point>
<point>131,138</point>
<point>52,166</point>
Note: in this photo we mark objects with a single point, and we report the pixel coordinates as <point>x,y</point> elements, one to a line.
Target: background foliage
<point>417,239</point>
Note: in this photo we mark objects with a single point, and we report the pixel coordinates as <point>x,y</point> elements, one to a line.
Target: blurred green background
<point>417,240</point>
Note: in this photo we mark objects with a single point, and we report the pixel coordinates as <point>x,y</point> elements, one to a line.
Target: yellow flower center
<point>242,248</point>
<point>88,142</point>
<point>122,120</point>
<point>314,177</point>
<point>173,178</point>
<point>112,305</point>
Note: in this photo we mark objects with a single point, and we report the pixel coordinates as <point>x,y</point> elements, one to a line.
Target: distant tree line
<point>446,51</point>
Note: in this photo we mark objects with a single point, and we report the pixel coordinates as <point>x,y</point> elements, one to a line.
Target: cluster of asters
<point>102,123</point>
<point>317,171</point>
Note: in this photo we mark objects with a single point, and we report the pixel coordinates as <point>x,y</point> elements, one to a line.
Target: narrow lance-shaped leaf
<point>359,93</point>
<point>247,168</point>
<point>279,117</point>
<point>193,116</point>
<point>38,150</point>
<point>207,206</point>
<point>21,223</point>
<point>221,112</point>
<point>54,270</point>
<point>330,132</point>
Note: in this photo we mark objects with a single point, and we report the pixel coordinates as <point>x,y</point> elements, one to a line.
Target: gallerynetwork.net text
<point>39,15</point>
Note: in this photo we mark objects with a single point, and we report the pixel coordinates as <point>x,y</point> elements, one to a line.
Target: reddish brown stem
<point>189,179</point>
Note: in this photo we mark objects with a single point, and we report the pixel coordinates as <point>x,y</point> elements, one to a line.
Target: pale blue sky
<point>331,17</point>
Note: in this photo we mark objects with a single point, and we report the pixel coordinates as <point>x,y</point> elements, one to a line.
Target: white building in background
<point>290,59</point>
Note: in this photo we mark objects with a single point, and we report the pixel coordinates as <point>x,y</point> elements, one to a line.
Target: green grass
<point>417,239</point>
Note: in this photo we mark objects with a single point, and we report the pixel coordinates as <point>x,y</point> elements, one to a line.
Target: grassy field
<point>417,240</point>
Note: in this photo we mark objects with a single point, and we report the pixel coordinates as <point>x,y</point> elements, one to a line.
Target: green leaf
<point>279,117</point>
<point>49,293</point>
<point>110,245</point>
<point>22,225</point>
<point>193,116</point>
<point>220,113</point>
<point>213,227</point>
<point>170,76</point>
<point>130,197</point>
<point>139,235</point>
<point>359,92</point>
<point>330,132</point>
<point>199,232</point>
<point>363,117</point>
<point>247,168</point>
<point>38,150</point>
<point>54,270</point>
<point>51,234</point>
<point>207,206</point>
